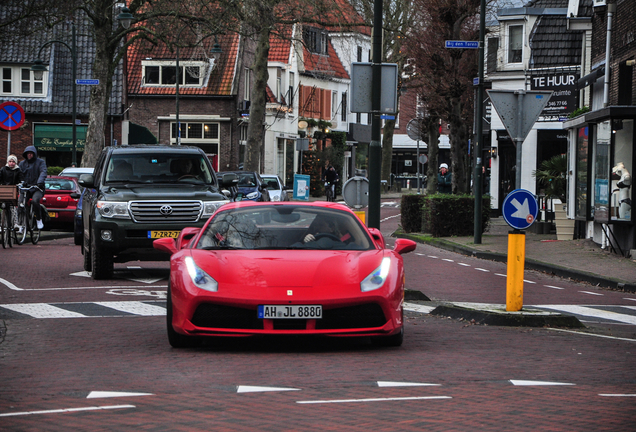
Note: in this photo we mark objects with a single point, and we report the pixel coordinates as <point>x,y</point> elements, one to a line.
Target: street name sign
<point>462,44</point>
<point>87,81</point>
<point>520,209</point>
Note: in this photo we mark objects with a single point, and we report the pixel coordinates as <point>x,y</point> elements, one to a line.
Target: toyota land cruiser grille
<point>166,211</point>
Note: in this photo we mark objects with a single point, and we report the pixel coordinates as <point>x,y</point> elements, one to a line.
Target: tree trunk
<point>431,134</point>
<point>460,161</point>
<point>255,129</point>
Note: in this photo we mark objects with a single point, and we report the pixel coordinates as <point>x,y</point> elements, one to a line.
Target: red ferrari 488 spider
<point>284,268</point>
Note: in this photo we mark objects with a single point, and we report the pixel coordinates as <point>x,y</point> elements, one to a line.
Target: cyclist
<point>330,177</point>
<point>34,172</point>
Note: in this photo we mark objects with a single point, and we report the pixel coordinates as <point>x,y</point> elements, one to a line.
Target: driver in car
<point>321,226</point>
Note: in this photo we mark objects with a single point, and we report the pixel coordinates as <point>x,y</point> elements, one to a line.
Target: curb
<point>530,264</point>
<point>526,318</point>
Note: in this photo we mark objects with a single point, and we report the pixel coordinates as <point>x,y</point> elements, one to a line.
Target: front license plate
<point>52,214</point>
<point>290,312</point>
<point>162,234</point>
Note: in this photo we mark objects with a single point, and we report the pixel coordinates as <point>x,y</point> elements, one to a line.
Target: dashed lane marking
<point>67,410</point>
<point>373,399</point>
<point>135,308</point>
<point>260,389</point>
<point>553,287</point>
<point>112,394</point>
<point>538,383</point>
<point>590,334</point>
<point>404,384</point>
<point>82,310</point>
<point>596,312</point>
<point>591,293</point>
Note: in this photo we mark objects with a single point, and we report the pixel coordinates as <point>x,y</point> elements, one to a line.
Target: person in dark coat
<point>444,178</point>
<point>34,172</point>
<point>11,174</point>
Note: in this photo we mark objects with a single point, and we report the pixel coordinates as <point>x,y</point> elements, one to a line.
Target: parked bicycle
<point>26,216</point>
<point>8,200</point>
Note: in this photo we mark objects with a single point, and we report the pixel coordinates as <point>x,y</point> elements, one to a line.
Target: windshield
<point>162,168</point>
<point>285,227</point>
<point>271,183</point>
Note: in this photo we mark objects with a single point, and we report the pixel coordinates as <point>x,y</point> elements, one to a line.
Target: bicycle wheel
<point>4,231</point>
<point>35,231</point>
<point>22,223</point>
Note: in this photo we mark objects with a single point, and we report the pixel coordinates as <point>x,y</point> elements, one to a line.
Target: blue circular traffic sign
<point>11,116</point>
<point>520,209</point>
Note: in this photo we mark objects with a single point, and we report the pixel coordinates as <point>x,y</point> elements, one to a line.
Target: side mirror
<point>87,181</point>
<point>185,236</point>
<point>166,244</point>
<point>403,246</point>
<point>229,180</point>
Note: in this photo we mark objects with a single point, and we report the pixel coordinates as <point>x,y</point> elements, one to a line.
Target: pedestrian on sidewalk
<point>444,178</point>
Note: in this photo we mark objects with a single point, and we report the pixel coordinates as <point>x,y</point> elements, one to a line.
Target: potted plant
<point>552,177</point>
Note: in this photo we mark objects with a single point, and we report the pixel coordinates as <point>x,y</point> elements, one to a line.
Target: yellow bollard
<point>362,216</point>
<point>516,262</point>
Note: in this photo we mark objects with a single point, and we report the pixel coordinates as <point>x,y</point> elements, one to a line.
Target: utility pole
<point>375,147</point>
<point>477,191</point>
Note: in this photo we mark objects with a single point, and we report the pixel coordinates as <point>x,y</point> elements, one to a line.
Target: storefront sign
<point>59,137</point>
<point>564,96</point>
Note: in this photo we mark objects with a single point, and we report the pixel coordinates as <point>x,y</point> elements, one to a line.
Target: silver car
<point>277,190</point>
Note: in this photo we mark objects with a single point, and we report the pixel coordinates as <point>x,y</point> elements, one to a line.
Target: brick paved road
<point>54,364</point>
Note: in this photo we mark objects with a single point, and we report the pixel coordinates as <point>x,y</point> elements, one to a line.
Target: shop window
<point>621,170</point>
<point>601,172</point>
<point>582,173</point>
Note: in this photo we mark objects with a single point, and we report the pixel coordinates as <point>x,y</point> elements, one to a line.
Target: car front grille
<point>228,317</point>
<point>166,211</point>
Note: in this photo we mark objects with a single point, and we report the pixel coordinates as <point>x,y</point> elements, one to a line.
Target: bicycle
<point>26,216</point>
<point>329,191</point>
<point>8,199</point>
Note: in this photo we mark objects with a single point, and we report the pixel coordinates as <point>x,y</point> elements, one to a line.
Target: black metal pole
<point>477,191</point>
<point>177,95</point>
<point>74,58</point>
<point>375,147</point>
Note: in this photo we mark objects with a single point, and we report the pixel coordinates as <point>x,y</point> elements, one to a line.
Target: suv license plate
<point>290,312</point>
<point>162,234</point>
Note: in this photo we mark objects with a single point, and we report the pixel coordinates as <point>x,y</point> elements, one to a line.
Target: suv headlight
<point>252,195</point>
<point>209,207</point>
<point>113,209</point>
<point>377,277</point>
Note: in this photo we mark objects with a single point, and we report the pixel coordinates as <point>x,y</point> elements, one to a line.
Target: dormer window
<point>515,43</point>
<point>164,73</point>
<point>316,40</point>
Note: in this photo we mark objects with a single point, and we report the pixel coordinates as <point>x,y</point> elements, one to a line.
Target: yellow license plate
<point>52,214</point>
<point>163,234</point>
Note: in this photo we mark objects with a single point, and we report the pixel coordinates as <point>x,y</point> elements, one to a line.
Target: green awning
<point>59,137</point>
<point>138,134</point>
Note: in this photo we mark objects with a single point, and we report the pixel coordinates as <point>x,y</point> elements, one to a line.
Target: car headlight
<point>377,277</point>
<point>113,209</point>
<point>252,195</point>
<point>200,278</point>
<point>209,207</point>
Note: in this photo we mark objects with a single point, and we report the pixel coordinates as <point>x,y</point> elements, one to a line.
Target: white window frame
<point>509,41</point>
<point>186,139</point>
<point>16,82</point>
<point>172,63</point>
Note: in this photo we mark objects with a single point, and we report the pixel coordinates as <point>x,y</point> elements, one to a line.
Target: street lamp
<point>216,55</point>
<point>125,18</point>
<point>39,68</point>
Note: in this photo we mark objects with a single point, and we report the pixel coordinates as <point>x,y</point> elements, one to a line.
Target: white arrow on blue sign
<point>520,209</point>
<point>462,44</point>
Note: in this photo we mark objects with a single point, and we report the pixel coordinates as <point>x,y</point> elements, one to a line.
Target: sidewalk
<point>581,260</point>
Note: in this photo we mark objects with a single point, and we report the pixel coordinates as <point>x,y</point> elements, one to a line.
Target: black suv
<point>140,193</point>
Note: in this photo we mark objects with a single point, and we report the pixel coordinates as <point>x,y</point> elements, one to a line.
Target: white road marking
<point>446,259</point>
<point>538,383</point>
<point>10,285</point>
<point>499,274</point>
<point>590,292</point>
<point>374,399</point>
<point>68,410</point>
<point>553,287</point>
<point>591,334</point>
<point>629,307</point>
<point>432,256</point>
<point>414,307</point>
<point>255,389</point>
<point>81,274</point>
<point>137,308</point>
<point>627,298</point>
<point>464,264</point>
<point>617,395</point>
<point>481,269</point>
<point>420,254</point>
<point>42,310</point>
<point>529,281</point>
<point>97,287</point>
<point>591,312</point>
<point>403,384</point>
<point>107,394</point>
<point>133,267</point>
